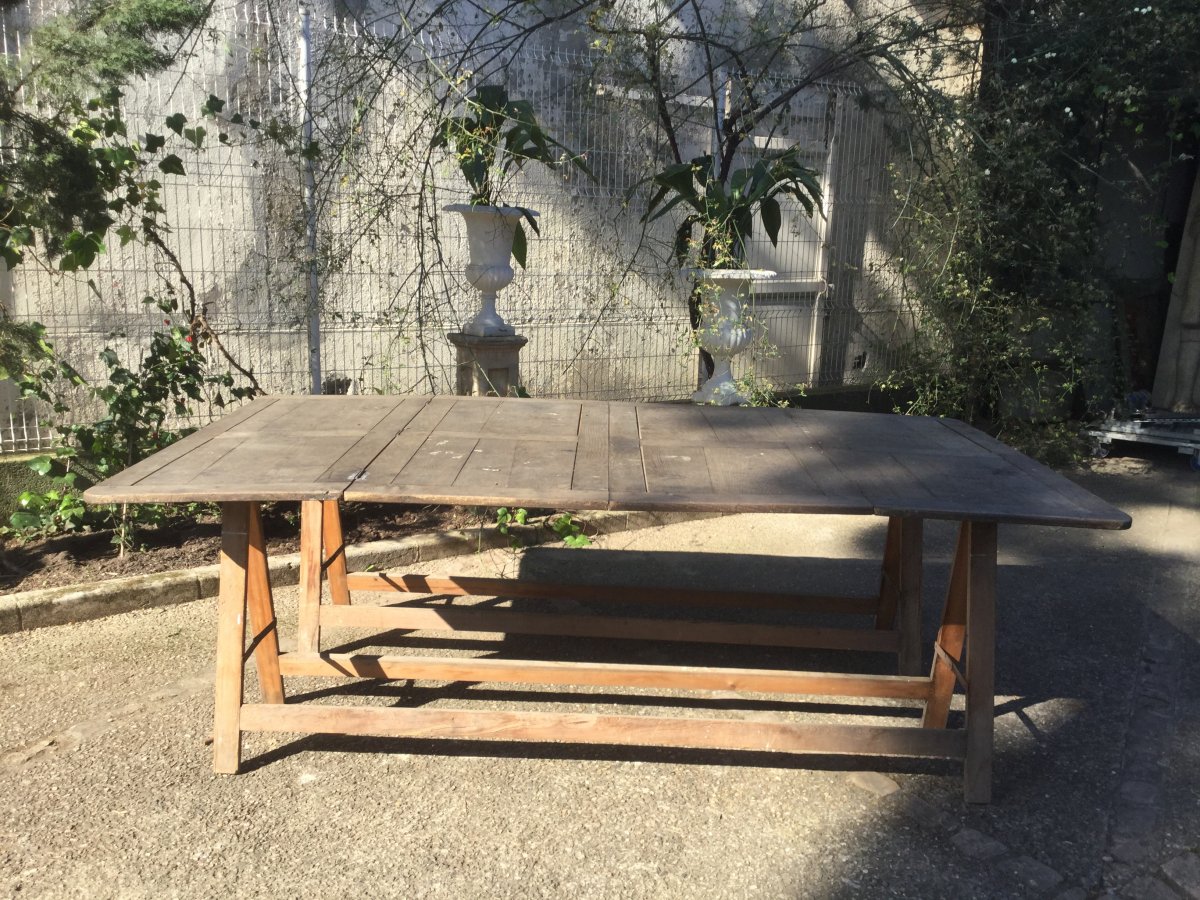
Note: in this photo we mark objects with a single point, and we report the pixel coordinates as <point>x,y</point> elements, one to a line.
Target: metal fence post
<point>313,306</point>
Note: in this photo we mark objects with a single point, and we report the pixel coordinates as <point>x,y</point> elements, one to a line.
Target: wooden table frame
<point>963,654</point>
<point>602,455</point>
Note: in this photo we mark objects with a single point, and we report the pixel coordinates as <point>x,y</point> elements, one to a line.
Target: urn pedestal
<point>487,366</point>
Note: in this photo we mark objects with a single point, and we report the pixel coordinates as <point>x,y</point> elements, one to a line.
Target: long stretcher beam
<point>522,671</point>
<point>510,621</point>
<point>579,728</point>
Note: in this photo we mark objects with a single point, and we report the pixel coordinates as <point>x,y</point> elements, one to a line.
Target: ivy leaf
<point>172,165</point>
<point>154,142</point>
<point>41,465</point>
<point>175,122</point>
<point>24,521</point>
<point>212,105</point>
<point>195,135</point>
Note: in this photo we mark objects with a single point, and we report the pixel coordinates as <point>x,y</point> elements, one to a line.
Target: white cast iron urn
<point>724,329</point>
<point>490,231</point>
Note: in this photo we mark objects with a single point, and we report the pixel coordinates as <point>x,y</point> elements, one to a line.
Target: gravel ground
<point>106,788</point>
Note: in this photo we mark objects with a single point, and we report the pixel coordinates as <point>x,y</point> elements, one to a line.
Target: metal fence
<point>603,309</point>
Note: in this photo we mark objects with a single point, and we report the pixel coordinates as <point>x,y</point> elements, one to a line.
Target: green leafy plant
<point>55,511</point>
<point>171,380</point>
<point>1006,221</point>
<point>505,519</point>
<point>568,528</point>
<point>491,141</point>
<point>726,208</point>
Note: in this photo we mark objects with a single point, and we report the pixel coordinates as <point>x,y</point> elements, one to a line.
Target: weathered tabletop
<point>607,455</point>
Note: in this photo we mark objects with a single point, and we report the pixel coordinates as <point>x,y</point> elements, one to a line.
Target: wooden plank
<point>1075,506</point>
<point>676,469</point>
<point>308,631</point>
<point>910,594</point>
<point>626,474</point>
<point>437,462</point>
<point>675,424</point>
<point>467,417</point>
<point>241,466</point>
<point>953,484</point>
<point>759,469</point>
<point>333,552</point>
<point>397,453</point>
<point>183,471</point>
<point>737,503</point>
<point>136,473</point>
<point>308,414</point>
<point>547,419</point>
<point>578,728</point>
<point>883,479</point>
<point>457,586</point>
<point>590,468</point>
<point>246,490</point>
<point>515,671</point>
<point>886,433</point>
<point>836,484</point>
<point>963,488</point>
<point>355,462</point>
<point>488,466</point>
<point>981,651</point>
<point>545,465</point>
<point>950,634</point>
<point>740,427</point>
<point>509,621</point>
<point>283,407</point>
<point>278,458</point>
<point>231,638</point>
<point>264,629</point>
<point>474,496</point>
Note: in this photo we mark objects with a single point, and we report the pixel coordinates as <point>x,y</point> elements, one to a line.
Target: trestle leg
<point>231,637</point>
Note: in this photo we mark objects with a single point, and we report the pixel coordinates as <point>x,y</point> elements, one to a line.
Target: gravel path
<point>106,788</point>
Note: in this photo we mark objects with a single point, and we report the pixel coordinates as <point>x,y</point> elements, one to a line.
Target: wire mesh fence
<point>366,262</point>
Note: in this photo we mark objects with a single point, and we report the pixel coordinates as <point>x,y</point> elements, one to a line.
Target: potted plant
<point>491,141</point>
<point>726,208</point>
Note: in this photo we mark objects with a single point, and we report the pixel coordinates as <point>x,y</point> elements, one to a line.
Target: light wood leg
<point>335,553</point>
<point>950,634</point>
<point>900,589</point>
<point>263,627</point>
<point>231,637</point>
<point>981,652</point>
<point>912,534</point>
<point>308,638</point>
<point>889,581</point>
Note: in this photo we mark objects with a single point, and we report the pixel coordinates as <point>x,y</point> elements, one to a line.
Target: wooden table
<point>616,456</point>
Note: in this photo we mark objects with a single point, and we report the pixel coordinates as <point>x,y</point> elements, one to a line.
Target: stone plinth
<point>488,366</point>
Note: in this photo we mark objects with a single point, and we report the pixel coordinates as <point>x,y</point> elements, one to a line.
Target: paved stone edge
<point>77,603</point>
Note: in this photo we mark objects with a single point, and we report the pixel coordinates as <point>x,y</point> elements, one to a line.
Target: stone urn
<point>724,329</point>
<point>490,231</point>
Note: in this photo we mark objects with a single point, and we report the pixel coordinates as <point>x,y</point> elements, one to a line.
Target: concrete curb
<point>76,603</point>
